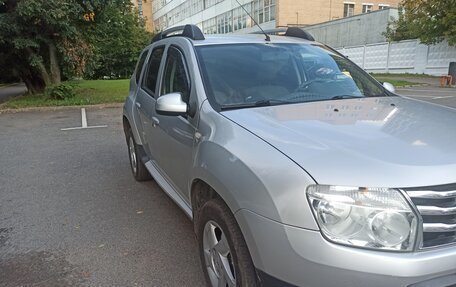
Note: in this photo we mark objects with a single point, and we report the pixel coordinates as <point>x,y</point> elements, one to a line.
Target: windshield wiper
<point>260,103</point>
<point>270,102</point>
<point>345,97</point>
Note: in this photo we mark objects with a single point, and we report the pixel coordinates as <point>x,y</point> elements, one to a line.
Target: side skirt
<point>168,188</point>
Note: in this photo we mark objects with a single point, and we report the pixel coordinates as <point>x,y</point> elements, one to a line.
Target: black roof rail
<point>299,33</point>
<point>188,31</point>
<point>290,32</point>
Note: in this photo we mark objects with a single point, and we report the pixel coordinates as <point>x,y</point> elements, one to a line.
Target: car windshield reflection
<point>251,75</point>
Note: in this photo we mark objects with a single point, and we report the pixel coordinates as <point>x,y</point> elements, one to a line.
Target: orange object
<point>446,80</point>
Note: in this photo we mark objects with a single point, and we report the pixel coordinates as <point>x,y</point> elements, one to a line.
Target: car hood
<point>376,142</point>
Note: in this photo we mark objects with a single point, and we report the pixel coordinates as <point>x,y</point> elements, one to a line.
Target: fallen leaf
<point>139,212</point>
<point>85,274</point>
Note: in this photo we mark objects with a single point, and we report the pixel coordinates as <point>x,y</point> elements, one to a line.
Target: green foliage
<point>61,91</point>
<point>118,36</point>
<point>35,38</point>
<point>431,21</point>
<point>88,92</point>
<point>42,41</point>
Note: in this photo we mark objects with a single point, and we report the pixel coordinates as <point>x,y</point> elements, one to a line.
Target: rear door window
<point>151,76</point>
<point>141,61</point>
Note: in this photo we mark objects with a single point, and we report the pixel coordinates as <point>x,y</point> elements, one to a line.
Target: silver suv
<point>296,167</point>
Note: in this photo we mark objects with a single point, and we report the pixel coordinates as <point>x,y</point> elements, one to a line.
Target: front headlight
<point>378,218</point>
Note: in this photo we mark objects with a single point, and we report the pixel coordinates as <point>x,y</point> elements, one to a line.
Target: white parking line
<point>83,123</point>
<point>83,118</point>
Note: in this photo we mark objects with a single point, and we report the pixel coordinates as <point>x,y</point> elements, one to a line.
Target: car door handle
<point>155,122</point>
<point>138,104</point>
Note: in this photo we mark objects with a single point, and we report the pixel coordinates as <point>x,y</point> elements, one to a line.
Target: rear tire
<point>224,254</point>
<point>138,168</point>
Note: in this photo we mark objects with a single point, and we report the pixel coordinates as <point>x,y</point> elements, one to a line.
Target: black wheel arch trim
<point>267,280</point>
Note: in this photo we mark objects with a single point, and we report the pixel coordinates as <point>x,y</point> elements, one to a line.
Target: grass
<point>405,75</point>
<point>88,92</point>
<point>400,80</point>
<point>394,82</point>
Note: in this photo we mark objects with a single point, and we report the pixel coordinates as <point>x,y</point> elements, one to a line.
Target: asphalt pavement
<point>10,91</point>
<point>71,213</point>
<point>436,95</point>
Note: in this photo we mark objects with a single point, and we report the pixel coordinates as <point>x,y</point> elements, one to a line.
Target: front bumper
<point>304,258</point>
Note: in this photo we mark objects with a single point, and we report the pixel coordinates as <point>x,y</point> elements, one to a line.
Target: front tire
<point>224,254</point>
<point>137,166</point>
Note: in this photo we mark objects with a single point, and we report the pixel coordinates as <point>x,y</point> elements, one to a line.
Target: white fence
<point>403,57</point>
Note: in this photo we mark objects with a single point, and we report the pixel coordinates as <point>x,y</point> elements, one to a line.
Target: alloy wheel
<point>218,256</point>
<point>131,149</point>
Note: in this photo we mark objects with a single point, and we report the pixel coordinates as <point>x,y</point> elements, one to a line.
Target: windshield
<point>244,75</point>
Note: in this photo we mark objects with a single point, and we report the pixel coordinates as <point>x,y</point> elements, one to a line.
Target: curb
<point>58,108</point>
<point>414,85</point>
<point>427,85</point>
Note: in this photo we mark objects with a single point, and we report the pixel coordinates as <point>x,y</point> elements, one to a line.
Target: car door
<point>145,99</point>
<point>174,135</point>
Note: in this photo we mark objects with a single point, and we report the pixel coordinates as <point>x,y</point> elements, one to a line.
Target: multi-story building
<point>144,8</point>
<point>226,16</point>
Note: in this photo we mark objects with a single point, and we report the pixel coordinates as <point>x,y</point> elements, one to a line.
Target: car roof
<point>290,35</point>
<point>246,38</point>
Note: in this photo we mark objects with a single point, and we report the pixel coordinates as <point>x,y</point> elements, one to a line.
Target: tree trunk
<point>54,64</point>
<point>41,69</point>
<point>34,84</point>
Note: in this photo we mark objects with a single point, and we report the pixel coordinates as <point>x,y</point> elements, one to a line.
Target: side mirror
<point>389,87</point>
<point>171,105</point>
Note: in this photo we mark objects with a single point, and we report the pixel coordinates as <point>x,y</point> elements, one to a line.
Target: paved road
<point>71,213</point>
<point>11,91</point>
<point>441,96</point>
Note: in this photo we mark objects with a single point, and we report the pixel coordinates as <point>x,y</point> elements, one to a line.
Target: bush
<point>60,92</point>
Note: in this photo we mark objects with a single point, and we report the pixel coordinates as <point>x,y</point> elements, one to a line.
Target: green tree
<point>37,37</point>
<point>43,41</point>
<point>118,36</point>
<point>431,21</point>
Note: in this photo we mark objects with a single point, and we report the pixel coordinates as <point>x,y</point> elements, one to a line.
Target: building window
<point>140,8</point>
<point>367,8</point>
<point>233,20</point>
<point>197,6</point>
<point>240,19</point>
<point>383,6</point>
<point>210,26</point>
<point>258,10</point>
<point>225,23</point>
<point>264,10</point>
<point>349,9</point>
<point>269,10</point>
<point>209,3</point>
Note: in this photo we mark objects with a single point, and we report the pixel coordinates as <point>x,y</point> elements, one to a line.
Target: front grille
<point>437,205</point>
